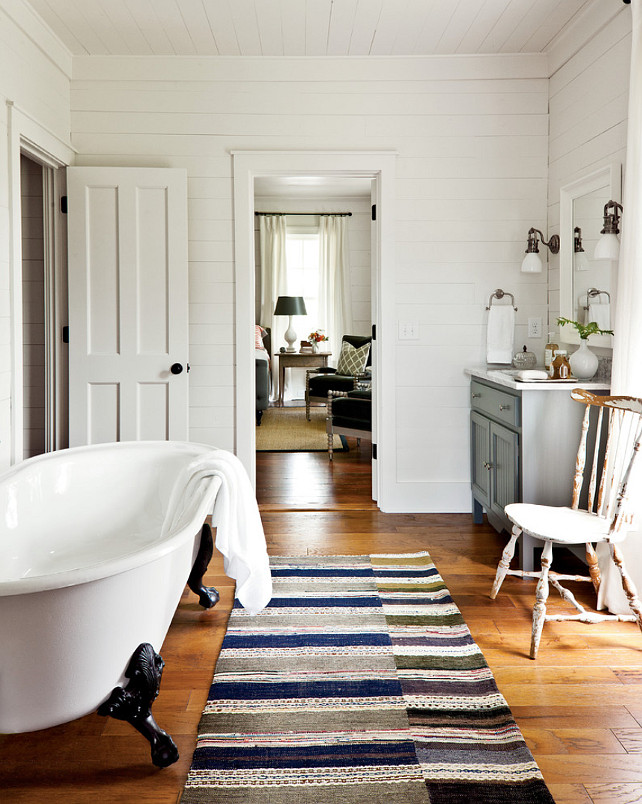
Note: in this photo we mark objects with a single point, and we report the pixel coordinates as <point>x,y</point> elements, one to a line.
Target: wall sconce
<point>608,246</point>
<point>581,260</point>
<point>532,264</point>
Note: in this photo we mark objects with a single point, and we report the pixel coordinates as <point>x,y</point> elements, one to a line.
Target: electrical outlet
<point>408,331</point>
<point>535,327</point>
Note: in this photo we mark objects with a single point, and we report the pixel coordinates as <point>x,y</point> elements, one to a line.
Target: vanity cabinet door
<point>480,458</point>
<point>504,468</point>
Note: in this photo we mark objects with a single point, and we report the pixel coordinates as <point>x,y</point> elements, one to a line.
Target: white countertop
<point>505,376</point>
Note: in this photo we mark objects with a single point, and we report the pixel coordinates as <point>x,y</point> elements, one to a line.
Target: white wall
<point>589,90</point>
<point>471,137</point>
<point>35,75</point>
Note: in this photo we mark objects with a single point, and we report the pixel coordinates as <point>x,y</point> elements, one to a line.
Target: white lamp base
<point>290,337</point>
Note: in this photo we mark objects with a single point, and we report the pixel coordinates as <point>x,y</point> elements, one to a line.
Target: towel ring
<point>499,294</point>
<point>591,293</point>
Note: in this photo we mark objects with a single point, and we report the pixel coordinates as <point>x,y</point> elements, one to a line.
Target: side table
<point>298,360</point>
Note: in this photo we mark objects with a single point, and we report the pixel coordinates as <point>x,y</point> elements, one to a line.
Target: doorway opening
<point>333,277</point>
<point>379,168</point>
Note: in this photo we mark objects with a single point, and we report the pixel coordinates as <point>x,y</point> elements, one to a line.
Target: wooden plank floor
<point>579,705</point>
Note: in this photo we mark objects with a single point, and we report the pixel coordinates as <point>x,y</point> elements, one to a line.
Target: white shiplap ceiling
<point>306,27</point>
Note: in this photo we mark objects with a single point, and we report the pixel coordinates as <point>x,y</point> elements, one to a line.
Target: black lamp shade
<point>290,305</point>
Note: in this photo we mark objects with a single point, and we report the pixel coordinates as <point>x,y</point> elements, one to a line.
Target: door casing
<point>380,167</point>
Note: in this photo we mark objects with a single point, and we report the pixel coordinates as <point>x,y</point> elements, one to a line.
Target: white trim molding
<point>380,167</point>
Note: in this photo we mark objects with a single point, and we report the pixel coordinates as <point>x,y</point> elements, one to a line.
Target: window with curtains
<point>302,257</point>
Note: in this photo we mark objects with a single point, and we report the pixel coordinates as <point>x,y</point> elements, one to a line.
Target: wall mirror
<point>587,285</point>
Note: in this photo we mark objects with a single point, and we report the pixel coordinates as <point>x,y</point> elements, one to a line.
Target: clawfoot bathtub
<point>96,546</point>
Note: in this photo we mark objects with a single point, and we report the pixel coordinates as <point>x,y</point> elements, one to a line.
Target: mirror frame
<point>609,176</point>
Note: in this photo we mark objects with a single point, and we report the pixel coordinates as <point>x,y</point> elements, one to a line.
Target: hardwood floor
<point>579,705</point>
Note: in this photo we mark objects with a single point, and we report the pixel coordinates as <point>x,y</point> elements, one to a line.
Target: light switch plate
<point>408,331</point>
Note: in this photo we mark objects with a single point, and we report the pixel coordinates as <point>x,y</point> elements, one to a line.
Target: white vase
<point>583,362</point>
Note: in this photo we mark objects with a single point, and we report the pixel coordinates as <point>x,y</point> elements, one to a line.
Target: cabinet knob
<point>476,396</point>
<point>504,407</point>
<point>488,466</point>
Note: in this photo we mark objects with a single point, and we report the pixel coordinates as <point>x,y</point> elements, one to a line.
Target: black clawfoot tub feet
<point>133,703</point>
<point>207,595</point>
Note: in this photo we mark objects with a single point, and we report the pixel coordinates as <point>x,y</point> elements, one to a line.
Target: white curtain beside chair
<point>335,295</point>
<point>627,341</point>
<point>274,283</point>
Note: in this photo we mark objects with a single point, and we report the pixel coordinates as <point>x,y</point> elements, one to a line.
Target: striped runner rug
<point>360,682</point>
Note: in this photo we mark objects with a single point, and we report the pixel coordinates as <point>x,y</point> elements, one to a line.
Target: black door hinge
<point>374,212</point>
<point>63,204</point>
<point>374,452</point>
<point>374,332</point>
<point>65,334</point>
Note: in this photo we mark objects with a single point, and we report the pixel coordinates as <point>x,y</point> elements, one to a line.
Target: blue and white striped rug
<point>360,682</point>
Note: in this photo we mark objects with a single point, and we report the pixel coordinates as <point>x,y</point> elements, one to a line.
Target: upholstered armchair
<point>349,414</point>
<point>352,367</point>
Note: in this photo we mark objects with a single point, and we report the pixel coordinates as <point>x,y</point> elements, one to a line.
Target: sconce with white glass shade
<point>532,264</point>
<point>608,246</point>
<point>581,260</point>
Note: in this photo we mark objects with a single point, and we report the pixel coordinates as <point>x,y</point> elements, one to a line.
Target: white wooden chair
<point>605,515</point>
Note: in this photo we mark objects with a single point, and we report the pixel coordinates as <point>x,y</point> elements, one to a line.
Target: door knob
<point>176,368</point>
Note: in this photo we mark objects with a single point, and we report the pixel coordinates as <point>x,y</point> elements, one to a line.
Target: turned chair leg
<point>504,562</point>
<point>627,584</point>
<point>593,566</point>
<point>541,596</point>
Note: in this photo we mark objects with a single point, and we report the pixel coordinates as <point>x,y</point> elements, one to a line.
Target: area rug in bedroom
<point>360,682</point>
<point>287,430</point>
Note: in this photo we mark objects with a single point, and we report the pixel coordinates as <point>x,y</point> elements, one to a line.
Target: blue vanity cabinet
<point>523,444</point>
<point>495,441</point>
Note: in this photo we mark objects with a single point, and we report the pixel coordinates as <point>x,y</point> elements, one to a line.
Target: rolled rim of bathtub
<point>132,556</point>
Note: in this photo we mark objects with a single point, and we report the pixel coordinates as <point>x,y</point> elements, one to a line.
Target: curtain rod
<point>321,214</point>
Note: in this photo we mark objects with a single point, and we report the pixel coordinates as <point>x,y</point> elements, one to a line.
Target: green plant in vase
<point>584,362</point>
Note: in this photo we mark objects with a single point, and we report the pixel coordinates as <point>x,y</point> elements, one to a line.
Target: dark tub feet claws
<point>133,703</point>
<point>207,595</point>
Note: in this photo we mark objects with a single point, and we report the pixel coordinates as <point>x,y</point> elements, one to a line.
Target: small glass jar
<point>524,359</point>
<point>560,367</point>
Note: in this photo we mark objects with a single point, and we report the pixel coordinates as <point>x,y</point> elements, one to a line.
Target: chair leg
<point>307,398</point>
<point>504,562</point>
<point>627,584</point>
<point>541,596</point>
<point>330,445</point>
<point>594,568</point>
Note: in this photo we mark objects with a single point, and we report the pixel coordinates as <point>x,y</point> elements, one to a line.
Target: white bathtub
<point>95,550</point>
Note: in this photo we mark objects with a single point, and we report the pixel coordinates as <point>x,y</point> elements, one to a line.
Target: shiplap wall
<point>589,90</point>
<point>33,308</point>
<point>35,75</point>
<point>359,225</point>
<point>471,135</point>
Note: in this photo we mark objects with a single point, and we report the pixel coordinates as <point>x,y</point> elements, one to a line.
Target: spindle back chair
<point>600,510</point>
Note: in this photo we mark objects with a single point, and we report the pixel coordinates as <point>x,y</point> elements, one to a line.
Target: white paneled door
<point>128,304</point>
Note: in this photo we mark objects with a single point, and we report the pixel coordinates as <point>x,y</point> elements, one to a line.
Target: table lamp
<point>290,305</point>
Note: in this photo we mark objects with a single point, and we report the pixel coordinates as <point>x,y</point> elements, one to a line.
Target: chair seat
<point>561,524</point>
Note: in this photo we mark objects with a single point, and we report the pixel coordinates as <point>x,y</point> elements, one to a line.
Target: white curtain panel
<point>627,341</point>
<point>273,284</point>
<point>335,297</point>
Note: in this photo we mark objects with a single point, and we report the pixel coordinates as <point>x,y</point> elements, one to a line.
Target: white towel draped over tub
<point>500,333</point>
<point>235,515</point>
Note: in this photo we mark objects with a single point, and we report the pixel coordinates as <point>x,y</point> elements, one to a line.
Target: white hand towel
<point>500,333</point>
<point>600,312</point>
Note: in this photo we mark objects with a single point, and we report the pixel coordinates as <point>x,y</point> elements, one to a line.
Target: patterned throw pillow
<point>259,332</point>
<point>351,359</point>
